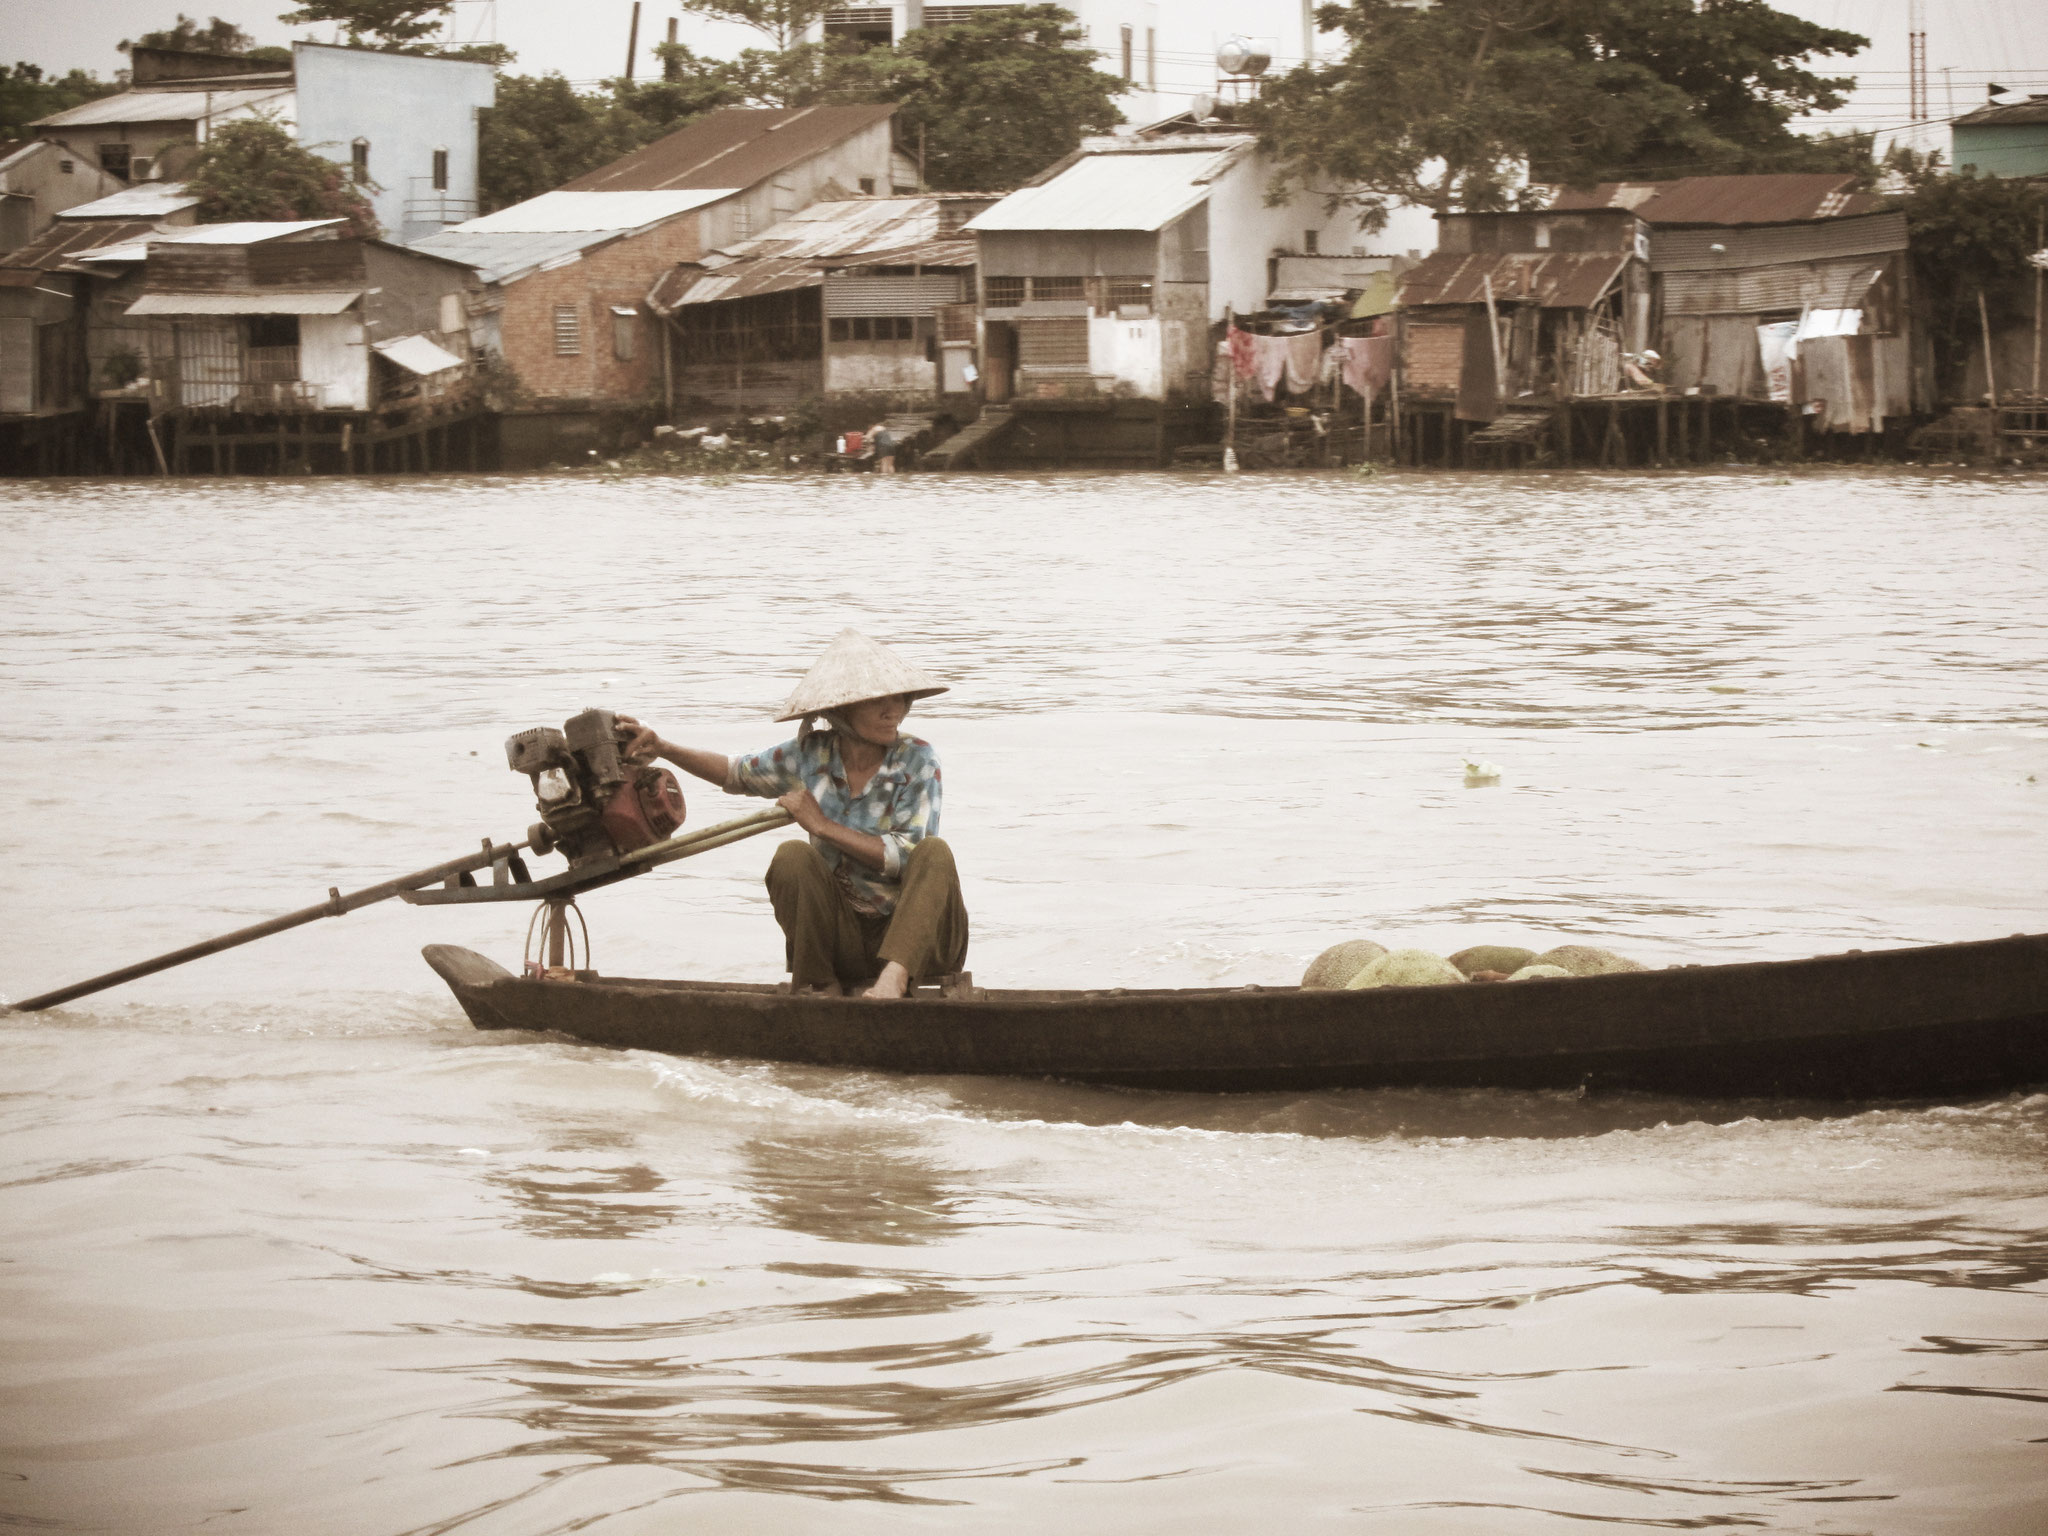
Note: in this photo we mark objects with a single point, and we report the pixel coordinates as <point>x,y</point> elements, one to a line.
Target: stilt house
<point>856,296</point>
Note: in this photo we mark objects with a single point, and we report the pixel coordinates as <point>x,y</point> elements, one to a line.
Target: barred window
<point>1126,292</point>
<point>568,331</point>
<point>359,162</point>
<point>875,328</point>
<point>1058,289</point>
<point>1005,292</point>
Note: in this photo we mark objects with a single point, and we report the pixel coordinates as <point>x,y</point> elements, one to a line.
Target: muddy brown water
<point>285,1246</point>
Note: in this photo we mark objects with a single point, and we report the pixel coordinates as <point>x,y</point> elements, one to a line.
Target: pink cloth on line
<point>1304,361</point>
<point>1270,355</point>
<point>1243,349</point>
<point>1368,363</point>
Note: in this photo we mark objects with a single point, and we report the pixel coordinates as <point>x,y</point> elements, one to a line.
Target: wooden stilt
<point>1663,432</point>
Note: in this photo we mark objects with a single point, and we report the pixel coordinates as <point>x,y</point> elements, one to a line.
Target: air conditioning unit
<point>142,168</point>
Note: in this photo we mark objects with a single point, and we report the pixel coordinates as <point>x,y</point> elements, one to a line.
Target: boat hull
<point>1942,1021</point>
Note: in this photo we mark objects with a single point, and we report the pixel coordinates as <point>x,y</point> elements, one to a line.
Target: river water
<point>286,1247</point>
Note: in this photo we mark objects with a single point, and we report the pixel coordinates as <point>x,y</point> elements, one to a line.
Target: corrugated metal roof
<point>251,232</point>
<point>151,200</point>
<point>2033,110</point>
<point>506,258</point>
<point>1763,290</point>
<point>1727,200</point>
<point>1554,279</point>
<point>796,253</point>
<point>62,243</point>
<point>1606,194</point>
<point>266,301</point>
<point>1138,191</point>
<point>1693,250</point>
<point>416,354</point>
<point>732,147</point>
<point>566,213</point>
<point>161,106</point>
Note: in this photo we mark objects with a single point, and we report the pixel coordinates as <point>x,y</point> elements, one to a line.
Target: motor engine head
<point>593,803</point>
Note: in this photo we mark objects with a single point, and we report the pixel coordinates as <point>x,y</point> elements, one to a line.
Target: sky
<point>1969,42</point>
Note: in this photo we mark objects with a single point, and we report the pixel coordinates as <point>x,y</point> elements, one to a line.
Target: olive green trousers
<point>826,940</point>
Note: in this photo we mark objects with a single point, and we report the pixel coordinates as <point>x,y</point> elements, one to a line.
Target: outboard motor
<point>593,803</point>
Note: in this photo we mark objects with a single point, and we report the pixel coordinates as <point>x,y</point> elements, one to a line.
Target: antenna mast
<point>1916,58</point>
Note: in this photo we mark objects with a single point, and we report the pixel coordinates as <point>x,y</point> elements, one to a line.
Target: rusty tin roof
<point>866,231</point>
<point>59,244</point>
<point>1775,199</point>
<point>733,147</point>
<point>1554,279</point>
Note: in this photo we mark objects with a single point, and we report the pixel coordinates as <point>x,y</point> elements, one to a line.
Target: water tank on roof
<point>1242,56</point>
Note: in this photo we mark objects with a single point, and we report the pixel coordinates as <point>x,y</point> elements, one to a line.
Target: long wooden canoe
<point>1940,1021</point>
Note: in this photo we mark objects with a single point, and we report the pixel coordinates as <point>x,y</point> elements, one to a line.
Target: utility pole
<point>632,41</point>
<point>1916,58</point>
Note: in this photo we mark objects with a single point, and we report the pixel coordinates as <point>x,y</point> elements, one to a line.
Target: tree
<point>1970,236</point>
<point>253,169</point>
<point>994,101</point>
<point>543,132</point>
<point>26,95</point>
<point>785,23</point>
<point>187,36</point>
<point>390,25</point>
<point>1459,104</point>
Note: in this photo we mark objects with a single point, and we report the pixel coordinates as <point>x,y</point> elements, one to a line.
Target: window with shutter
<point>568,331</point>
<point>1060,342</point>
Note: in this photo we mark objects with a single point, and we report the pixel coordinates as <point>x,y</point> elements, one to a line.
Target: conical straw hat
<point>855,668</point>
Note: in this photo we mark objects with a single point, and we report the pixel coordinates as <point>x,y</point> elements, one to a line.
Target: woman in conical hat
<point>874,893</point>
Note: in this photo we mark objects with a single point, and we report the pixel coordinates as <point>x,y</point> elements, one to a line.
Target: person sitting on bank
<point>874,893</point>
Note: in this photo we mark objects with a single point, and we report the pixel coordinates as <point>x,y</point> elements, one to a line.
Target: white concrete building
<point>1108,274</point>
<point>404,126</point>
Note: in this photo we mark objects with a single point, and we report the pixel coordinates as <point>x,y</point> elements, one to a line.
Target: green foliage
<point>1971,235</point>
<point>384,24</point>
<point>993,101</point>
<point>252,169</point>
<point>544,131</point>
<point>187,36</point>
<point>26,95</point>
<point>1448,106</point>
<point>783,22</point>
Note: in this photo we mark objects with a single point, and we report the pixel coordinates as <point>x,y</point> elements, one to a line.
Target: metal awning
<point>417,355</point>
<point>249,301</point>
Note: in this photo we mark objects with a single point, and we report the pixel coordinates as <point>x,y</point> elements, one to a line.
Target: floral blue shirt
<point>899,804</point>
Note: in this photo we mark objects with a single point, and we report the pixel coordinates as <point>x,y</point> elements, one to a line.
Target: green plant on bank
<point>1970,235</point>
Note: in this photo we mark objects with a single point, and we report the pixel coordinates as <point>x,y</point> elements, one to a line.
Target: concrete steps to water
<point>966,445</point>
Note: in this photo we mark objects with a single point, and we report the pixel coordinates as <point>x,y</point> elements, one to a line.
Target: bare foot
<point>892,983</point>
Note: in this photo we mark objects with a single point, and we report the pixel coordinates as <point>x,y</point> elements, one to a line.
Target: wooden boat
<point>1940,1021</point>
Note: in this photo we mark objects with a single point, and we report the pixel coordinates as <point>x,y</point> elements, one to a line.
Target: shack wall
<point>588,288</point>
<point>836,171</point>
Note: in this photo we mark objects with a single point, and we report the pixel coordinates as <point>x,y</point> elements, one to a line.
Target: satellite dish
<point>1240,56</point>
<point>1202,108</point>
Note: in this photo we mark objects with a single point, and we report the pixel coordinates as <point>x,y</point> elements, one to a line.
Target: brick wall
<point>617,274</point>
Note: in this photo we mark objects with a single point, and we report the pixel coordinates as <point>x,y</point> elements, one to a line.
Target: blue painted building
<point>2009,140</point>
